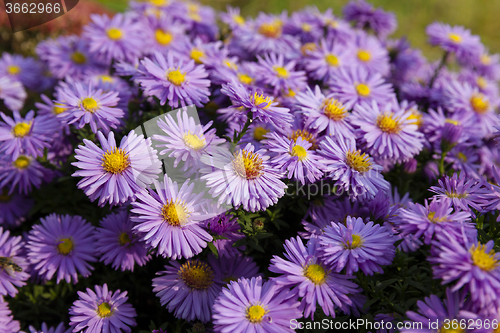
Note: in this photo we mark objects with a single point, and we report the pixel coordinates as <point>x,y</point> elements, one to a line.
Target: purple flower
<point>118,38</point>
<point>114,173</point>
<point>324,114</point>
<point>321,62</point>
<point>7,322</point>
<point>162,33</point>
<point>371,55</point>
<point>454,39</point>
<point>28,135</point>
<point>252,306</point>
<point>13,273</point>
<point>387,135</point>
<point>263,107</point>
<point>228,229</point>
<point>354,171</point>
<point>234,268</point>
<point>295,157</point>
<point>354,85</point>
<point>45,329</point>
<point>471,265</point>
<point>280,75</point>
<point>186,140</point>
<point>357,245</point>
<point>244,178</point>
<point>365,16</point>
<point>435,218</point>
<point>23,173</point>
<point>305,272</point>
<point>62,245</point>
<point>464,159</point>
<point>18,68</point>
<point>174,79</point>
<point>118,245</point>
<point>188,290</point>
<point>13,208</point>
<point>168,219</point>
<point>86,105</point>
<point>102,311</point>
<point>12,93</point>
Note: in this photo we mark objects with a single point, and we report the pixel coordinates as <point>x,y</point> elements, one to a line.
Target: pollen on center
<point>196,275</point>
<point>176,77</point>
<point>248,165</point>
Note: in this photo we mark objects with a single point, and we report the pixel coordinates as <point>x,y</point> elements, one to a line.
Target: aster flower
<point>102,311</point>
<point>322,113</point>
<point>354,172</point>
<point>7,322</point>
<point>116,38</point>
<point>13,273</point>
<point>445,313</point>
<point>295,157</point>
<point>232,18</point>
<point>162,34</point>
<point>280,75</point>
<point>22,174</point>
<point>186,140</point>
<point>365,16</point>
<point>464,159</point>
<point>263,107</point>
<point>227,228</point>
<point>86,105</point>
<point>169,217</point>
<point>454,39</point>
<point>61,245</point>
<point>306,273</point>
<point>354,85</point>
<point>114,173</point>
<point>357,245</point>
<point>234,268</point>
<point>244,178</point>
<point>12,93</point>
<point>465,194</point>
<point>321,61</point>
<point>13,208</point>
<point>45,329</point>
<point>28,135</point>
<point>174,79</point>
<point>118,245</point>
<point>306,24</point>
<point>387,134</point>
<point>23,69</point>
<point>188,290</point>
<point>471,265</point>
<point>371,55</point>
<point>252,306</point>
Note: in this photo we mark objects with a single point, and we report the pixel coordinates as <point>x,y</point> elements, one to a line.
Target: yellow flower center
<point>306,27</point>
<point>196,275</point>
<point>289,93</point>
<point>281,72</point>
<point>231,65</point>
<point>308,47</point>
<point>247,165</point>
<point>124,239</point>
<point>259,132</point>
<point>158,3</point>
<point>193,12</point>
<point>13,69</point>
<point>362,89</point>
<point>57,109</point>
<point>481,82</point>
<point>387,123</point>
<point>415,118</point>
<point>305,135</point>
<point>193,141</point>
<point>483,260</point>
<point>364,55</point>
<point>457,39</point>
<point>22,162</point>
<point>357,241</point>
<point>105,78</point>
<point>300,152</point>
<point>271,30</point>
<point>21,129</point>
<point>163,37</point>
<point>196,55</point>
<point>462,157</point>
<point>65,245</point>
<point>479,103</point>
<point>332,60</point>
<point>255,313</point>
<point>457,195</point>
<point>89,104</point>
<point>334,109</point>
<point>175,213</point>
<point>115,34</point>
<point>115,161</point>
<point>450,329</point>
<point>176,77</point>
<point>78,58</point>
<point>451,121</point>
<point>485,59</point>
<point>432,217</point>
<point>104,310</point>
<point>316,273</point>
<point>261,99</point>
<point>357,161</point>
<point>238,19</point>
<point>245,79</point>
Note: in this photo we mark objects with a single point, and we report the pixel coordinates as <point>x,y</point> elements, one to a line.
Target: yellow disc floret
<point>388,123</point>
<point>308,47</point>
<point>175,213</point>
<point>13,69</point>
<point>332,60</point>
<point>247,165</point>
<point>259,132</point>
<point>457,39</point>
<point>357,241</point>
<point>300,152</point>
<point>362,90</point>
<point>450,329</point>
<point>65,245</point>
<point>196,275</point>
<point>78,58</point>
<point>259,100</point>
<point>194,141</point>
<point>22,162</point>
<point>104,310</point>
<point>432,217</point>
<point>163,37</point>
<point>316,273</point>
<point>89,104</point>
<point>271,30</point>
<point>58,109</point>
<point>196,55</point>
<point>357,161</point>
<point>21,129</point>
<point>334,109</point>
<point>245,78</point>
<point>176,77</point>
<point>115,160</point>
<point>115,34</point>
<point>483,260</point>
<point>124,239</point>
<point>479,103</point>
<point>364,55</point>
<point>305,135</point>
<point>281,72</point>
<point>238,19</point>
<point>255,313</point>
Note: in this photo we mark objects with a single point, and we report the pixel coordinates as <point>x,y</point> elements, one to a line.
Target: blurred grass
<point>481,16</point>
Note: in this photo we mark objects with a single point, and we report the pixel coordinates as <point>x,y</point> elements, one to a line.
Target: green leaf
<point>214,250</point>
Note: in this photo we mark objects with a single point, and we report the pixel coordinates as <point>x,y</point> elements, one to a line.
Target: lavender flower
<point>12,93</point>
<point>13,265</point>
<point>7,322</point>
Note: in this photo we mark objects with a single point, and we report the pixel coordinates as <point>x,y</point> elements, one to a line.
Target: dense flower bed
<point>163,173</point>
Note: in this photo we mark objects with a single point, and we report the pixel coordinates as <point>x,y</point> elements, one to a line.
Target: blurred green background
<point>481,16</point>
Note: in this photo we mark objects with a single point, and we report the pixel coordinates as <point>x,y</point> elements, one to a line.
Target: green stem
<point>441,164</point>
<point>438,69</point>
<point>243,131</point>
